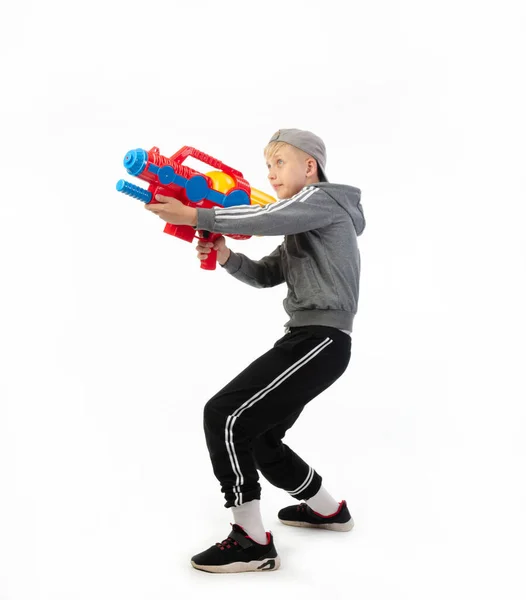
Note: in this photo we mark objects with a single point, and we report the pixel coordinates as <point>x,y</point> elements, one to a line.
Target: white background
<point>113,338</point>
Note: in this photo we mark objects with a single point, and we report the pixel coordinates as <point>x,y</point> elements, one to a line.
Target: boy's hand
<point>204,247</point>
<point>173,211</point>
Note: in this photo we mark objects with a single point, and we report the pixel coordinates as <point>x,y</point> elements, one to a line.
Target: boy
<point>246,421</point>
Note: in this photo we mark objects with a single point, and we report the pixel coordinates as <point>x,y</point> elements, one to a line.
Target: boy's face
<point>288,172</point>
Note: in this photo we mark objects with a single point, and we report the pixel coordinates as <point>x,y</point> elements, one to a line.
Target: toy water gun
<point>224,187</point>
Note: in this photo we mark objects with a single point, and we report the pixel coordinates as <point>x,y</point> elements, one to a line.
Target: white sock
<point>323,503</point>
<point>248,516</point>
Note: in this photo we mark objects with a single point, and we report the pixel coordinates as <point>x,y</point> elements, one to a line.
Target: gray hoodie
<point>319,258</point>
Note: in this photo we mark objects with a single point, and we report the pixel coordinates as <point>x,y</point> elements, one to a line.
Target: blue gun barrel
<point>134,191</point>
<point>135,161</point>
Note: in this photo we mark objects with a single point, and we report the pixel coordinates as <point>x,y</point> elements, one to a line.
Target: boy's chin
<point>284,194</point>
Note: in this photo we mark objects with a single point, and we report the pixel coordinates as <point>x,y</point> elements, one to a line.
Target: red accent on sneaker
<point>226,543</point>
<point>333,514</point>
<point>247,536</point>
<point>268,539</point>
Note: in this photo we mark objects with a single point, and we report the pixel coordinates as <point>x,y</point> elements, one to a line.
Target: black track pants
<point>246,421</point>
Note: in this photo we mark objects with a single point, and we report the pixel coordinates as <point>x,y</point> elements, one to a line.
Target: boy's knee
<point>212,413</point>
<point>215,414</point>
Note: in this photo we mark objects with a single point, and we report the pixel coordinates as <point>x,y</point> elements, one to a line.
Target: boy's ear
<point>312,167</point>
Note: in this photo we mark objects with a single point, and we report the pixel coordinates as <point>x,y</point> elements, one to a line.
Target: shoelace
<point>228,543</point>
<point>302,507</point>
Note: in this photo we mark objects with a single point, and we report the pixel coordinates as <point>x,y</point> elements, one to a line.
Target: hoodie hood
<point>349,198</point>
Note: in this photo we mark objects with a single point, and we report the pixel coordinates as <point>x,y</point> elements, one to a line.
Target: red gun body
<point>154,166</point>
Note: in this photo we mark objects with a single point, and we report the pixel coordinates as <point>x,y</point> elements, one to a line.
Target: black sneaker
<point>237,554</point>
<point>300,515</point>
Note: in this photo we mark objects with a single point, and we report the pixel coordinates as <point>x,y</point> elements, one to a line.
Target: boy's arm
<point>311,208</point>
<point>266,272</point>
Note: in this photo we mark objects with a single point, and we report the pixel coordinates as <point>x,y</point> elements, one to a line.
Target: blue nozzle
<point>134,191</point>
<point>135,161</point>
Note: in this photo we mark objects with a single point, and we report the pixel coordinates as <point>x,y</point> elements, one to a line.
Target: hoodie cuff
<point>233,264</point>
<point>205,219</point>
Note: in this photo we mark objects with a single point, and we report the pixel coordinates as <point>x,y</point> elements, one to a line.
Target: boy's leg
<point>270,392</point>
<point>276,461</point>
<point>280,465</point>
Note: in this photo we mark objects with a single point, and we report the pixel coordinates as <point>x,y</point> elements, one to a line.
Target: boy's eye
<point>279,162</point>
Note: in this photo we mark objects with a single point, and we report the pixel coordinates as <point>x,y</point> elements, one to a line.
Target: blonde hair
<point>273,147</point>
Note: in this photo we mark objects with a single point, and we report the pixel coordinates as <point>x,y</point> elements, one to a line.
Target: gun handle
<point>209,263</point>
